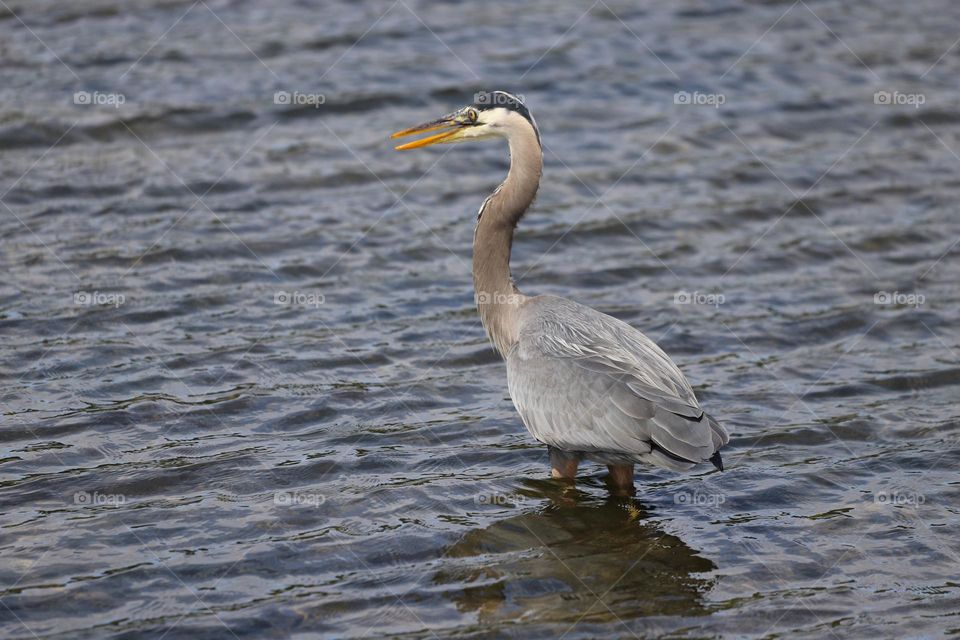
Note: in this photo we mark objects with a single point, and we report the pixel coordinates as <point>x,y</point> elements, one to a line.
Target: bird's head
<point>493,114</point>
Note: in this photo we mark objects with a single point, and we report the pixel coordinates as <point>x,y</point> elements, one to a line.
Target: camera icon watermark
<point>97,499</point>
<point>899,498</point>
<point>896,98</point>
<point>98,298</point>
<point>299,498</point>
<point>299,299</point>
<point>495,297</point>
<point>498,98</point>
<point>299,99</point>
<point>897,298</point>
<point>697,98</point>
<point>84,98</point>
<point>697,297</point>
<point>699,499</point>
<point>499,499</point>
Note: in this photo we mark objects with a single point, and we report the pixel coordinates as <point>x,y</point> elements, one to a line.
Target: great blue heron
<point>585,384</point>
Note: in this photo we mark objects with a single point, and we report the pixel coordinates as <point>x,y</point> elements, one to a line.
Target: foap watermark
<point>499,499</point>
<point>97,499</point>
<point>98,298</point>
<point>99,98</point>
<point>899,498</point>
<point>299,498</point>
<point>698,297</point>
<point>899,99</point>
<point>496,297</point>
<point>299,99</point>
<point>899,299</point>
<point>699,99</point>
<point>699,499</point>
<point>497,98</point>
<point>299,298</point>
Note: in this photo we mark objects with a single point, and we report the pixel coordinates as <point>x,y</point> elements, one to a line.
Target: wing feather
<point>584,381</point>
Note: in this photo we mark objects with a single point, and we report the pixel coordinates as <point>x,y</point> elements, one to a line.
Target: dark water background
<point>182,457</point>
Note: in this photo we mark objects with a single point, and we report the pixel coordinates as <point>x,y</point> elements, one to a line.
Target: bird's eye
<point>473,115</point>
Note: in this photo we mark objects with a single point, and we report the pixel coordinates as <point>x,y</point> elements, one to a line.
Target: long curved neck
<point>498,300</point>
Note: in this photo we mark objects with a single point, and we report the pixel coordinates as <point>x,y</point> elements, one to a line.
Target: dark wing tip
<point>654,446</point>
<point>717,460</point>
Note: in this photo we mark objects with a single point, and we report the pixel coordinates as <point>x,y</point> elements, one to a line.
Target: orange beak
<point>448,127</point>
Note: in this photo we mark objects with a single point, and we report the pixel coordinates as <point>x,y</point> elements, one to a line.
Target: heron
<point>586,384</point>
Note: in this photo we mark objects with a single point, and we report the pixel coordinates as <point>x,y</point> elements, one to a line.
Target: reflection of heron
<point>593,549</point>
<point>585,384</point>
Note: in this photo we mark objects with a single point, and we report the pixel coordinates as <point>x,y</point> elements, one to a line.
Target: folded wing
<point>584,381</point>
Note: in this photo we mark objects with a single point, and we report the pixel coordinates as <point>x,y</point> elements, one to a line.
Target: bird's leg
<point>621,479</point>
<point>564,471</point>
<point>563,465</point>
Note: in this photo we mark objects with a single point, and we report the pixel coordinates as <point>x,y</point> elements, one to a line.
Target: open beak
<point>448,127</point>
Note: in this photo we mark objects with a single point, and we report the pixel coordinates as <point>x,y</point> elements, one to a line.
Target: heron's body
<point>591,385</point>
<point>584,383</point>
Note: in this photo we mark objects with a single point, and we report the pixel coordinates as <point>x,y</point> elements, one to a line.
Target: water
<point>184,458</point>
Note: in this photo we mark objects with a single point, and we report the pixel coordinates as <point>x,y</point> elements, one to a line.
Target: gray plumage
<point>588,383</point>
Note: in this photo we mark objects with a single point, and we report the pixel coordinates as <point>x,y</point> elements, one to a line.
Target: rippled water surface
<point>246,394</point>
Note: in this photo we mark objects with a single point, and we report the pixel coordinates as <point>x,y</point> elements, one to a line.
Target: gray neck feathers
<point>498,299</point>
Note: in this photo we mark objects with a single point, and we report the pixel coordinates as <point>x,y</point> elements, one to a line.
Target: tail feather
<point>672,460</point>
<point>720,438</point>
<point>717,460</point>
<point>720,435</point>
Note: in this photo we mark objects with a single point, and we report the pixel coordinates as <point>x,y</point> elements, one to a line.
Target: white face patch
<point>495,123</point>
